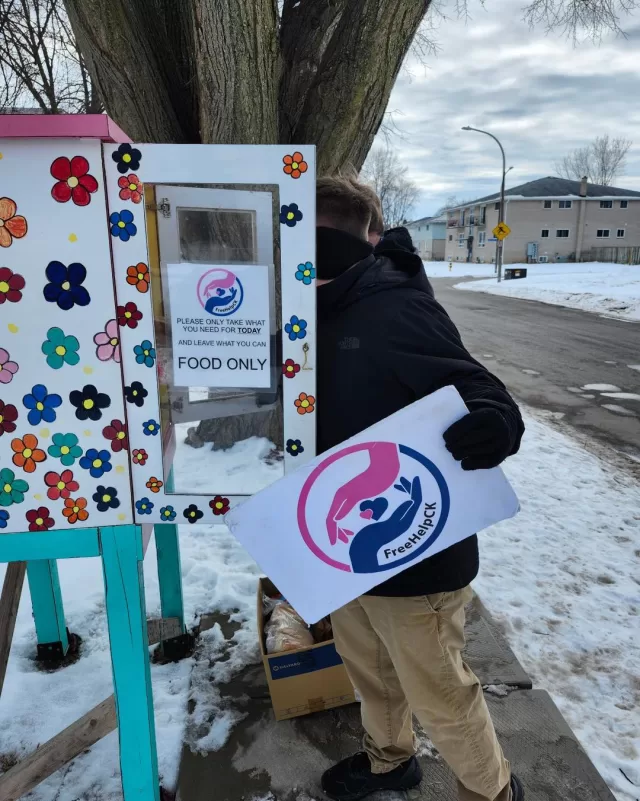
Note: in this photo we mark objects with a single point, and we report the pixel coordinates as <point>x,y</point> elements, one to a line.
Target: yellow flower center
<point>135,392</point>
<point>113,342</point>
<point>39,406</point>
<point>120,224</point>
<point>61,350</point>
<point>65,285</point>
<point>120,435</point>
<point>4,286</point>
<point>140,276</point>
<point>304,404</point>
<point>73,181</point>
<point>144,506</point>
<point>39,521</point>
<point>106,498</point>
<point>27,453</point>
<point>1,418</point>
<point>219,505</point>
<point>61,485</point>
<point>146,352</point>
<point>151,427</point>
<point>306,273</point>
<point>64,450</point>
<point>290,215</point>
<point>192,514</point>
<point>76,509</point>
<point>127,314</point>
<point>133,186</point>
<point>167,513</point>
<point>295,329</point>
<point>294,447</point>
<point>88,403</point>
<point>7,488</point>
<point>97,463</point>
<point>295,165</point>
<point>126,158</point>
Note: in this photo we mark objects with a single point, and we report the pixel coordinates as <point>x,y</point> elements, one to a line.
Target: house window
<point>565,204</point>
<point>482,239</point>
<point>462,218</point>
<point>606,204</point>
<point>497,207</point>
<point>544,233</point>
<point>450,237</point>
<point>603,233</point>
<point>624,204</point>
<point>427,227</point>
<point>461,240</point>
<point>620,234</point>
<point>483,215</point>
<point>547,204</point>
<point>562,233</point>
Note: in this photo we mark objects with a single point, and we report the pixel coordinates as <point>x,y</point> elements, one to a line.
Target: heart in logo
<point>373,509</point>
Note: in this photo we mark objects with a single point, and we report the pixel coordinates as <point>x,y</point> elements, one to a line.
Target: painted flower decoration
<point>65,285</point>
<point>74,181</point>
<point>139,456</point>
<point>296,328</point>
<point>61,485</point>
<point>11,285</point>
<point>75,509</point>
<point>7,368</point>
<point>96,462</point>
<point>154,484</point>
<point>168,513</point>
<point>295,165</point>
<point>219,505</point>
<point>294,447</point>
<point>12,225</point>
<point>290,215</point>
<point>108,342</point>
<point>122,225</point>
<point>41,405</point>
<point>65,447</point>
<point>306,273</point>
<point>192,513</point>
<point>138,276</point>
<point>145,353</point>
<point>106,498</point>
<point>129,315</point>
<point>26,453</point>
<point>130,188</point>
<point>12,489</point>
<point>305,404</point>
<point>117,435</point>
<point>144,506</point>
<point>60,349</point>
<point>89,402</point>
<point>127,158</point>
<point>4,517</point>
<point>135,393</point>
<point>290,369</point>
<point>150,428</point>
<point>8,417</point>
<point>39,519</point>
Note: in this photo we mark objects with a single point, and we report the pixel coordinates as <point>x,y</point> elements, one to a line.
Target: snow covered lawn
<point>609,289</point>
<point>562,579</point>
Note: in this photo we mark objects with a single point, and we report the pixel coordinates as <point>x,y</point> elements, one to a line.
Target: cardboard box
<point>305,680</point>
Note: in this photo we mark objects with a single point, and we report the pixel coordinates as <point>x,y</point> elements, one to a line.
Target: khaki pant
<point>404,655</point>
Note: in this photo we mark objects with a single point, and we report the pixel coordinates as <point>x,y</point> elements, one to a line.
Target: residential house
<point>429,235</point>
<point>551,219</point>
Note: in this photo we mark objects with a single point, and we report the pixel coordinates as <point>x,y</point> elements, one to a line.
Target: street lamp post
<point>500,245</point>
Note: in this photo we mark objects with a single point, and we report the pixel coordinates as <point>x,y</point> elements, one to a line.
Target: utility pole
<point>500,244</point>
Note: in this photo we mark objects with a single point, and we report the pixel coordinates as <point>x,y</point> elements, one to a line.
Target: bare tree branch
<point>398,195</point>
<point>576,18</point>
<point>602,161</point>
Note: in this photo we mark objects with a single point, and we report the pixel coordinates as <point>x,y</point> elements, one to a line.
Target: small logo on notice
<point>220,292</point>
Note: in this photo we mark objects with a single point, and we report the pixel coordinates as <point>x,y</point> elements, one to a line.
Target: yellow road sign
<point>501,231</point>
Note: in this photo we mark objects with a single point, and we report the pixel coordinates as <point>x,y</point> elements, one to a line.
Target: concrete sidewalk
<point>283,761</point>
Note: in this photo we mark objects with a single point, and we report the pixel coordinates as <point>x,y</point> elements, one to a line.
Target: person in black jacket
<point>383,343</point>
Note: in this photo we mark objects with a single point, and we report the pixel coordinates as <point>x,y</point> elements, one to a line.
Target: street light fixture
<point>500,245</point>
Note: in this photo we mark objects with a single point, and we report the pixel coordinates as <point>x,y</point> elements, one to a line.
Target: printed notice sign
<point>220,324</point>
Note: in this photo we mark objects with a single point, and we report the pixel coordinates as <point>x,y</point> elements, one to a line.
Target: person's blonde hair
<point>377,222</point>
<point>341,200</point>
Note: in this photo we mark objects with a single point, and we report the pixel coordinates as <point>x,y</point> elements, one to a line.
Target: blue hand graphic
<point>215,302</point>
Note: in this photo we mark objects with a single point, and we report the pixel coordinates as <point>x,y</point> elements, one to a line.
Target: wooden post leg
<point>122,555</point>
<point>48,612</point>
<point>9,602</point>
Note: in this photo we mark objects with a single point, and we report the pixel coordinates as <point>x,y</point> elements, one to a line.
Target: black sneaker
<point>517,790</point>
<point>352,779</point>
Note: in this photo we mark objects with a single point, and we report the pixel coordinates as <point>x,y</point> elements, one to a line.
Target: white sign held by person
<point>368,509</point>
<point>220,324</point>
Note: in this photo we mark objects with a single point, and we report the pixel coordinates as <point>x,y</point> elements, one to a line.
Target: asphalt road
<point>546,355</point>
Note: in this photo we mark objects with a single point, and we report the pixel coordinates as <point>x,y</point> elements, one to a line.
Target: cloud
<point>538,93</point>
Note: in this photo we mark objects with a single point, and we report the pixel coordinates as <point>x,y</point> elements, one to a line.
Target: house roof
<point>552,186</point>
<point>441,219</point>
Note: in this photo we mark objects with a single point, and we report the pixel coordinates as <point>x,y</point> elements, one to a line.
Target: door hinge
<point>164,206</point>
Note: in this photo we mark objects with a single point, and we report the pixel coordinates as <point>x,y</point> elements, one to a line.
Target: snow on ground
<point>459,269</point>
<point>609,289</point>
<point>561,579</point>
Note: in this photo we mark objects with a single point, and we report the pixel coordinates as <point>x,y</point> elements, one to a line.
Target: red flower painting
<point>74,181</point>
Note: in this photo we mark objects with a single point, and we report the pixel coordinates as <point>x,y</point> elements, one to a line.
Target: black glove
<point>480,440</point>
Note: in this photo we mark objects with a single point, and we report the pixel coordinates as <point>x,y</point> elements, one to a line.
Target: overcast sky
<point>536,92</point>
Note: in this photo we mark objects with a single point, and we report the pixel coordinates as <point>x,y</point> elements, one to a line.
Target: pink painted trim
<point>60,126</point>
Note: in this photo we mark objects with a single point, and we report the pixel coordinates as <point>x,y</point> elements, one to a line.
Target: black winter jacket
<point>383,343</point>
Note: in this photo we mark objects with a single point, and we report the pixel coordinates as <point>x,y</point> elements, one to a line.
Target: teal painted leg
<point>169,568</point>
<point>126,616</point>
<point>48,612</point>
